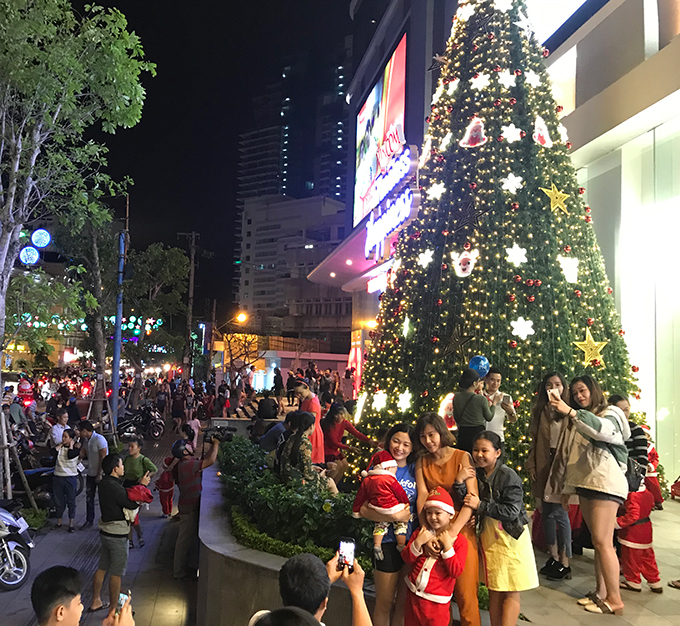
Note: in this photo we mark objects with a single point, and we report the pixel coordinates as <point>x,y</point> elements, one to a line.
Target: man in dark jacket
<point>113,529</point>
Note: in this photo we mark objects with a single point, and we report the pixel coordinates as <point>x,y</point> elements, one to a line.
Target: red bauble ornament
<point>511,297</point>
<point>512,344</point>
<point>425,393</point>
<point>427,119</point>
<point>473,185</point>
<point>467,245</point>
<point>437,117</point>
<point>512,101</point>
<point>589,219</point>
<point>569,144</point>
<point>440,158</point>
<point>577,293</point>
<point>497,102</point>
<point>433,107</point>
<point>546,53</point>
<point>491,37</point>
<point>590,321</point>
<point>529,282</point>
<point>440,302</point>
<point>635,369</point>
<point>530,298</point>
<point>445,233</point>
<point>475,48</point>
<point>596,362</point>
<point>497,68</point>
<point>559,108</point>
<point>380,297</point>
<point>518,278</point>
<point>444,267</point>
<point>500,138</point>
<point>588,210</point>
<point>567,249</point>
<point>522,134</point>
<point>518,72</point>
<point>476,75</point>
<point>395,341</point>
<point>581,190</point>
<point>538,282</point>
<point>371,334</point>
<point>435,339</point>
<point>622,332</point>
<point>516,404</point>
<point>449,109</point>
<point>610,290</point>
<point>416,235</point>
<point>515,206</point>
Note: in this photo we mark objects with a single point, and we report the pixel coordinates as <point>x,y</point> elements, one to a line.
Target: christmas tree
<point>502,260</point>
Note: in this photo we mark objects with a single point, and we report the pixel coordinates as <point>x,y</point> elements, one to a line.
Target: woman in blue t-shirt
<point>388,574</point>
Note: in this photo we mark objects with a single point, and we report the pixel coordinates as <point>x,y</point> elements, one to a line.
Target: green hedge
<point>295,514</point>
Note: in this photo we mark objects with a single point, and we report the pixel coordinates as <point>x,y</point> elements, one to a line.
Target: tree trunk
<point>99,341</point>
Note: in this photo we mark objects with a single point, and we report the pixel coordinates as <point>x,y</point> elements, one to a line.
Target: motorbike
<point>15,546</point>
<point>145,422</point>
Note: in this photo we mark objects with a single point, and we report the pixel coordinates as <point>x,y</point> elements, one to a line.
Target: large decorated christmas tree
<point>502,260</point>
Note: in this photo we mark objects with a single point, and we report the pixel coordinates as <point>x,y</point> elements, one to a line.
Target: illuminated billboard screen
<point>380,129</point>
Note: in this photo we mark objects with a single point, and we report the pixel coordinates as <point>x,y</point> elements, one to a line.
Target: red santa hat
<point>645,427</point>
<point>440,499</point>
<point>384,459</point>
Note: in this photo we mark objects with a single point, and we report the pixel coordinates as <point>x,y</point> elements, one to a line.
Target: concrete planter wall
<point>235,582</point>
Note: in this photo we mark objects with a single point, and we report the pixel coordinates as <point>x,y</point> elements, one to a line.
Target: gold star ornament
<point>557,198</point>
<point>592,349</point>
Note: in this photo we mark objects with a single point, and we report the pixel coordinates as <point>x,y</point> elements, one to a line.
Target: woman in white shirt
<point>64,481</point>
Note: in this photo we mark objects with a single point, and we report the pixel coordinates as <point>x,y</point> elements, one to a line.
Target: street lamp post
<point>240,318</point>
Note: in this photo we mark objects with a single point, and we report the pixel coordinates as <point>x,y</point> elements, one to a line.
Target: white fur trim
<point>449,553</point>
<point>440,505</point>
<point>378,471</point>
<point>635,546</point>
<point>388,510</point>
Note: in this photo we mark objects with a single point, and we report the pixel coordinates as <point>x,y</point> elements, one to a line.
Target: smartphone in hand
<point>346,554</point>
<point>122,599</point>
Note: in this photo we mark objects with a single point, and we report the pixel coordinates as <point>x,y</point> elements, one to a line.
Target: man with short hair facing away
<point>56,600</point>
<point>95,450</point>
<point>114,529</point>
<point>501,410</point>
<point>188,475</point>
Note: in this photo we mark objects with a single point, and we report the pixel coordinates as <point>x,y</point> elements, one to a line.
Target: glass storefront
<point>634,193</point>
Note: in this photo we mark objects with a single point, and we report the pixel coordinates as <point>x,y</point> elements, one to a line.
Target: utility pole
<point>192,237</point>
<point>117,334</point>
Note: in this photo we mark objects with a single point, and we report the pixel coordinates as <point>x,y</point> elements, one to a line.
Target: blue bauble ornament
<point>480,364</point>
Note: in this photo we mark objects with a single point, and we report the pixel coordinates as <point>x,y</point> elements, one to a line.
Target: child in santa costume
<point>652,475</point>
<point>635,537</point>
<point>381,490</point>
<point>431,580</point>
<point>165,485</point>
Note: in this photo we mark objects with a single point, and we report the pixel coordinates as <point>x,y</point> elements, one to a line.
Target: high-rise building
<point>283,241</point>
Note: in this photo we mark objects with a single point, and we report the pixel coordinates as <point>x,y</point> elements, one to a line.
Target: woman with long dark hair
<point>296,456</point>
<point>388,574</point>
<point>334,425</point>
<point>596,471</point>
<point>545,431</point>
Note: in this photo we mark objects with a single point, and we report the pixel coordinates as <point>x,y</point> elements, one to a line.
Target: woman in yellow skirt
<point>505,542</point>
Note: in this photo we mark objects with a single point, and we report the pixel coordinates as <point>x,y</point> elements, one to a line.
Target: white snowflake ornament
<point>516,255</point>
<point>481,81</point>
<point>445,142</point>
<point>465,12</point>
<point>453,85</point>
<point>425,258</point>
<point>436,191</point>
<point>532,78</point>
<point>379,400</point>
<point>513,183</point>
<point>569,268</point>
<point>502,5</point>
<point>521,328</point>
<point>564,135</point>
<point>438,93</point>
<point>507,79</point>
<point>524,24</point>
<point>404,403</point>
<point>511,133</point>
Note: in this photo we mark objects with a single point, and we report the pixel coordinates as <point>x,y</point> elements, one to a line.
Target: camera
<point>222,433</point>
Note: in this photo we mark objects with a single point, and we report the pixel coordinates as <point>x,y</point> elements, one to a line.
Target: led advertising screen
<point>380,130</point>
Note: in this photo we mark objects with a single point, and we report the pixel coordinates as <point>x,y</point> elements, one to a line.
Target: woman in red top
<point>309,403</point>
<point>334,425</point>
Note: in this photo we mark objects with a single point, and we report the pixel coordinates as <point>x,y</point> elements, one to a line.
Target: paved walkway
<point>157,599</point>
<point>554,603</point>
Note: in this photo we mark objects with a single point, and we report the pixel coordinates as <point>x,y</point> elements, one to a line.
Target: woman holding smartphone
<point>389,574</point>
<point>545,431</point>
<point>596,471</point>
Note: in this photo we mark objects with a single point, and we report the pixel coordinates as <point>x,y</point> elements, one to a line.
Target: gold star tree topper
<point>592,349</point>
<point>557,198</point>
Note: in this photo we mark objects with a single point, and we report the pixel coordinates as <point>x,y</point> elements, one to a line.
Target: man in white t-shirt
<point>502,410</point>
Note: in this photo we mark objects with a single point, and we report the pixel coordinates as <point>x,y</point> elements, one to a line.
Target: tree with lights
<point>502,260</point>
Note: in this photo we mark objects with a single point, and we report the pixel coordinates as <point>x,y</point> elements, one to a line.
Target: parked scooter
<point>15,546</point>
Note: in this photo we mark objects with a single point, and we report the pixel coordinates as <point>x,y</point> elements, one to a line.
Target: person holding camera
<point>188,475</point>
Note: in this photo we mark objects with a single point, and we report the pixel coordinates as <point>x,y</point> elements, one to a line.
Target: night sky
<point>211,57</point>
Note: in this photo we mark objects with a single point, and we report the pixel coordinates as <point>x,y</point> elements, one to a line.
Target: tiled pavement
<point>157,599</point>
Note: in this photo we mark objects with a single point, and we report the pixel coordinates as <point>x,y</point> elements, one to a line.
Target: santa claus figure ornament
<point>464,263</point>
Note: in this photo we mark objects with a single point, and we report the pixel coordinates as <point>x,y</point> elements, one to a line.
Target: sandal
<point>674,583</point>
<point>601,607</point>
<point>624,584</point>
<point>589,599</point>
<point>105,605</point>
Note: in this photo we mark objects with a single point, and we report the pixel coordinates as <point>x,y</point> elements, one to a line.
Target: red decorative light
<point>433,107</point>
<point>500,138</point>
<point>435,339</point>
<point>596,362</point>
<point>610,290</point>
<point>491,37</point>
<point>440,158</point>
<point>475,48</point>
<point>449,109</point>
<point>588,209</point>
<point>395,341</point>
<point>427,119</point>
<point>516,404</point>
<point>622,332</point>
<point>497,102</point>
<point>590,321</point>
<point>518,72</point>
<point>522,134</point>
<point>497,68</point>
<point>589,219</point>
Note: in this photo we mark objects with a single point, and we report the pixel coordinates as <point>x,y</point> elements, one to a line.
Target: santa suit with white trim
<point>381,490</point>
<point>635,537</point>
<point>431,581</point>
<point>652,475</point>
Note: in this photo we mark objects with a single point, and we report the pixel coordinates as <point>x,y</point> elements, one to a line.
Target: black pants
<point>465,436</point>
<point>90,492</point>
